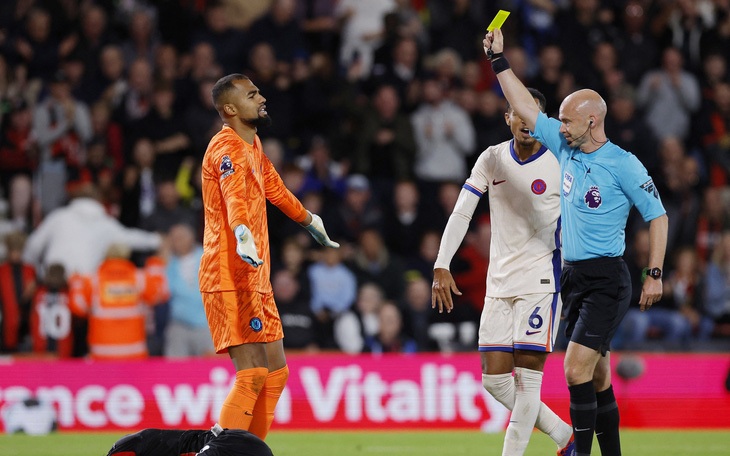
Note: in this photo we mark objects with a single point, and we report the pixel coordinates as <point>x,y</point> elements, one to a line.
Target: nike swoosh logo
<point>494,182</point>
<point>248,414</point>
<point>575,159</point>
<point>529,333</point>
<point>581,430</point>
<point>592,335</point>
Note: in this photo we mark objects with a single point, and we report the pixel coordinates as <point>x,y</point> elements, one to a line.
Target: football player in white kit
<point>522,306</point>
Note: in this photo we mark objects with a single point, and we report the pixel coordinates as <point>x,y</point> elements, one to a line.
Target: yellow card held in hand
<point>498,20</point>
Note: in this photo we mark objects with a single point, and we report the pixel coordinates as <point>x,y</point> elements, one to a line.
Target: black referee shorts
<point>596,295</point>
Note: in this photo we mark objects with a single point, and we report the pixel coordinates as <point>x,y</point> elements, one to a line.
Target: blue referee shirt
<point>598,191</point>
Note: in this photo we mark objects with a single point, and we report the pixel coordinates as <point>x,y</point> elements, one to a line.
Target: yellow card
<point>498,20</point>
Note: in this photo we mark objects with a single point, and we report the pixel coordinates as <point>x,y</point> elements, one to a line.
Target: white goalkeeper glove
<point>246,248</point>
<point>316,229</point>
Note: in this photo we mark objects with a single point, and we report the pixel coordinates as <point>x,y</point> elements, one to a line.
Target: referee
<point>600,183</point>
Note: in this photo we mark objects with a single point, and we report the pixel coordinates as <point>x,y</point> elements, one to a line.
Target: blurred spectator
<point>113,298</point>
<point>627,129</point>
<point>423,258</point>
<point>334,288</point>
<point>548,79</point>
<point>322,174</point>
<point>137,99</point>
<point>386,146</point>
<point>167,65</point>
<point>142,42</point>
<point>165,126</point>
<point>358,210</point>
<point>444,136</point>
<point>273,85</point>
<point>637,48</point>
<point>417,312</point>
<point>78,235</point>
<point>201,120</point>
<point>685,24</point>
<point>168,211</point>
<point>664,320</point>
<point>108,86</point>
<point>454,25</point>
<point>715,131</point>
<point>401,71</point>
<point>362,30</point>
<point>107,133</point>
<point>17,285</point>
<point>679,182</point>
<point>297,319</point>
<point>187,332</point>
<point>406,222</point>
<point>203,66</point>
<point>94,36</point>
<point>605,74</point>
<point>390,337</point>
<point>684,287</point>
<point>373,262</point>
<point>669,96</point>
<point>62,127</point>
<point>318,25</point>
<point>716,283</point>
<point>489,120</point>
<point>714,219</point>
<point>228,43</point>
<point>355,329</point>
<point>139,194</point>
<point>51,320</point>
<point>582,27</point>
<point>280,29</point>
<point>36,46</point>
<point>18,149</point>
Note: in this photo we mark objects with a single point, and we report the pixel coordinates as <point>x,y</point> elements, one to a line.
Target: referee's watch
<point>654,273</point>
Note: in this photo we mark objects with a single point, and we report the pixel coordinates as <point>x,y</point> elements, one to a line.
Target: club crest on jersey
<point>256,324</point>
<point>650,188</point>
<point>538,186</point>
<point>593,197</point>
<point>226,166</point>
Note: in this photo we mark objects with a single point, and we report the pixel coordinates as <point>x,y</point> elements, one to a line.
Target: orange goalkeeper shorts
<point>241,317</point>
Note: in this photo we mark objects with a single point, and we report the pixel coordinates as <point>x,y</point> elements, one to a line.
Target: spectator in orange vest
<point>114,300</point>
<point>50,320</point>
<point>17,283</point>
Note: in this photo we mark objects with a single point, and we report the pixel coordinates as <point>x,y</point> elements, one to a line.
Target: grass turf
<point>634,443</point>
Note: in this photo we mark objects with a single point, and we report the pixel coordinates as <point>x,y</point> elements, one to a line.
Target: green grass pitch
<point>634,443</point>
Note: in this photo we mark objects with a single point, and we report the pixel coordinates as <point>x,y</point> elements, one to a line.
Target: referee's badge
<point>567,183</point>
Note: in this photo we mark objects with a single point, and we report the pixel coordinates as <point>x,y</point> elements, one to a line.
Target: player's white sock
<point>502,388</point>
<point>527,405</point>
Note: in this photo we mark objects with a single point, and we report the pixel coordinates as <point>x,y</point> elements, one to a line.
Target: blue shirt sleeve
<point>639,188</point>
<point>547,131</point>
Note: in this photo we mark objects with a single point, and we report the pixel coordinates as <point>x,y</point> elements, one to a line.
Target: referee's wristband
<point>499,65</point>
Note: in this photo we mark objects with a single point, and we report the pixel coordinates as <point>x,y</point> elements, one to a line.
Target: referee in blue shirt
<point>600,183</point>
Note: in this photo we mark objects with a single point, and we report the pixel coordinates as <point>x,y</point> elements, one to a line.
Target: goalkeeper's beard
<point>260,121</point>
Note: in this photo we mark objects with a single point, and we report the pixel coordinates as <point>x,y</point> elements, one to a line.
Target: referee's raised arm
<point>516,93</point>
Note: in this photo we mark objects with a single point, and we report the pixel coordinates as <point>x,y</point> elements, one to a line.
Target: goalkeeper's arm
<point>313,223</point>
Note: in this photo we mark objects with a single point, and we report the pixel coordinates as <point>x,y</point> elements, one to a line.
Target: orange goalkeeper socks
<point>238,408</point>
<point>263,411</point>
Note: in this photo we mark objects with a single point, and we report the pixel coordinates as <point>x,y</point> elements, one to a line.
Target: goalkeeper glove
<point>316,229</point>
<point>246,248</point>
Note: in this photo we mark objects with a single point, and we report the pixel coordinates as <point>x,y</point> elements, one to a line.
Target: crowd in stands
<point>379,109</point>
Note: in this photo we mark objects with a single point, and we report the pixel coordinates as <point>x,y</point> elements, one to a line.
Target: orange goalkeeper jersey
<point>237,180</point>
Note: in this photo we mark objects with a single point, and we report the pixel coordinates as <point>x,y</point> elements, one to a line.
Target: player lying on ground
<point>214,442</point>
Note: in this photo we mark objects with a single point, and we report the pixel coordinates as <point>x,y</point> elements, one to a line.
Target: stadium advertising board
<point>340,392</point>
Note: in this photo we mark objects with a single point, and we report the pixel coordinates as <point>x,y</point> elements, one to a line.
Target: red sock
<point>263,411</point>
<point>237,410</point>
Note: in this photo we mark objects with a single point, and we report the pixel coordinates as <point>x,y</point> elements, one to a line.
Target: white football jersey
<point>524,206</point>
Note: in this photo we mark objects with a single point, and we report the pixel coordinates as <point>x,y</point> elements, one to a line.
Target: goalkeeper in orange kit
<point>234,271</point>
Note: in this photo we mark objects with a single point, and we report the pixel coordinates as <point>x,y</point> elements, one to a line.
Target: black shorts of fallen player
<point>596,295</point>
